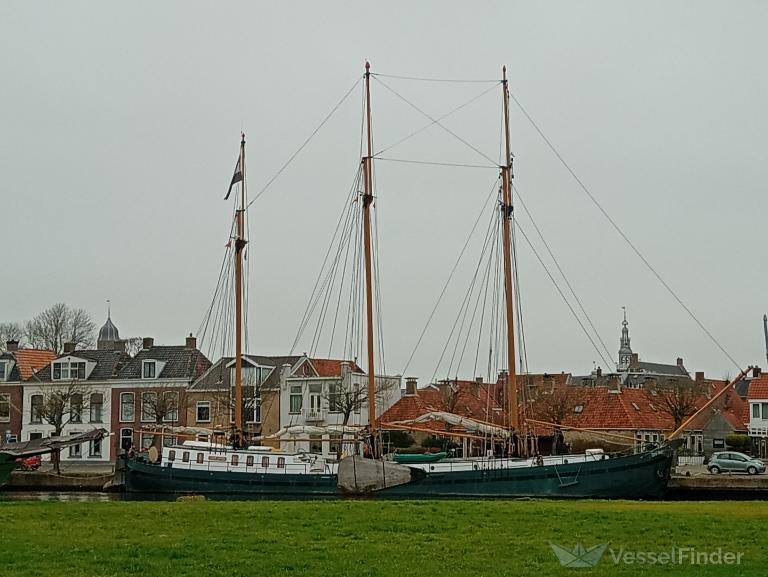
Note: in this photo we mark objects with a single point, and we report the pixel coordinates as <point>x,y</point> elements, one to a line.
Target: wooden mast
<point>240,243</point>
<point>367,201</point>
<point>506,191</point>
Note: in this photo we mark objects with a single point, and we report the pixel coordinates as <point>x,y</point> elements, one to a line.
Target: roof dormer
<point>151,368</point>
<point>71,368</point>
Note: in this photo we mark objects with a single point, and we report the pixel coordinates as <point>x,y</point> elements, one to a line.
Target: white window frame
<point>145,418</point>
<point>76,416</point>
<point>92,445</point>
<point>296,392</point>
<point>75,451</point>
<point>5,399</point>
<point>172,416</point>
<point>133,404</point>
<point>123,436</point>
<point>755,410</point>
<point>33,419</point>
<point>200,405</point>
<point>70,367</point>
<point>92,405</point>
<point>148,363</point>
<point>3,370</point>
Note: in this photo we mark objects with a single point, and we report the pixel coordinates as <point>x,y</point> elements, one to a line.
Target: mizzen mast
<point>506,207</point>
<point>367,201</point>
<point>240,242</point>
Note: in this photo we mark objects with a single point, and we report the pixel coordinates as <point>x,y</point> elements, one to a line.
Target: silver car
<point>731,461</point>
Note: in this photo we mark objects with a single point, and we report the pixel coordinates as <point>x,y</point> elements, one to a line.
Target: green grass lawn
<point>360,538</point>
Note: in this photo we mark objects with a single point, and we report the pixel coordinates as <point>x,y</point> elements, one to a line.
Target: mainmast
<point>240,242</point>
<point>367,201</point>
<point>506,207</point>
<point>765,330</point>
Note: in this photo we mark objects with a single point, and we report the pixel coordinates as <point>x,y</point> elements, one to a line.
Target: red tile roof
<point>30,361</point>
<point>332,367</point>
<point>758,388</point>
<point>474,400</point>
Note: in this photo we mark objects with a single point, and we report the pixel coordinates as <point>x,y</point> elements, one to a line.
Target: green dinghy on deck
<point>415,458</point>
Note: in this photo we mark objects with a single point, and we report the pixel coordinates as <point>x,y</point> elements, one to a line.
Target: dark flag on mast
<point>237,177</point>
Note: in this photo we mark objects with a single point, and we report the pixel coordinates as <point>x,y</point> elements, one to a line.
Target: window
<point>235,460</point>
<point>281,462</point>
<point>96,407</point>
<point>265,462</point>
<point>33,436</point>
<point>126,439</point>
<point>335,444</point>
<point>66,370</point>
<point>358,398</point>
<point>149,369</point>
<point>75,451</point>
<point>169,441</point>
<point>315,444</point>
<point>249,461</point>
<point>148,406</point>
<point>185,457</point>
<point>718,443</point>
<point>170,406</point>
<point>203,411</point>
<point>334,398</point>
<point>127,407</point>
<point>3,370</point>
<point>765,411</point>
<point>146,441</point>
<point>36,409</point>
<point>76,408</point>
<point>295,400</point>
<point>5,408</point>
<point>755,411</point>
<point>171,455</point>
<point>94,448</point>
<point>578,409</point>
<point>200,458</point>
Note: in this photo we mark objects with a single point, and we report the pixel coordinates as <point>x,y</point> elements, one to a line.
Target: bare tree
<point>163,406</point>
<point>556,405</point>
<point>133,346</point>
<point>59,406</point>
<point>675,397</point>
<point>60,324</point>
<point>10,332</point>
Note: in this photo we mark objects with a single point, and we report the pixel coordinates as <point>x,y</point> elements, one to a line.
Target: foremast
<point>367,165</point>
<point>510,393</point>
<point>240,242</point>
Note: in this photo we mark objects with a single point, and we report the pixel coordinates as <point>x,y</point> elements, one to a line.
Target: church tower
<point>625,351</point>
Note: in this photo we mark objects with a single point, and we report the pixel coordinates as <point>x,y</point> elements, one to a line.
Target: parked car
<point>736,462</point>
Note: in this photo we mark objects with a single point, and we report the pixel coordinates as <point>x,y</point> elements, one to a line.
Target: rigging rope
<point>424,79</point>
<point>622,234</point>
<point>304,144</point>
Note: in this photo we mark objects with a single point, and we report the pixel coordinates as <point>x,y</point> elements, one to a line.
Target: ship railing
<point>242,467</point>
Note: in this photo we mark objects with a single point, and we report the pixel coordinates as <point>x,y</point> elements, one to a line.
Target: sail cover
<point>298,430</point>
<point>468,424</point>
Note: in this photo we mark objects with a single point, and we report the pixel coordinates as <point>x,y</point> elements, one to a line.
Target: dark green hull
<point>143,477</point>
<point>6,468</point>
<point>641,476</point>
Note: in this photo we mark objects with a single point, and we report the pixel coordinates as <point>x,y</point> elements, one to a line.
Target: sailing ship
<point>239,468</point>
<point>591,475</point>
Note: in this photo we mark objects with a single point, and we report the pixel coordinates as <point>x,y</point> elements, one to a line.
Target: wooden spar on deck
<point>706,405</point>
<point>506,207</point>
<point>595,431</point>
<point>367,201</point>
<point>240,243</point>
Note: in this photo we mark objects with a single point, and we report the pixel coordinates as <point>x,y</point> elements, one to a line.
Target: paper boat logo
<point>579,557</point>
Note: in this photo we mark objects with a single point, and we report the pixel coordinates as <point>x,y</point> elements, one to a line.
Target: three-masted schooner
<point>202,467</point>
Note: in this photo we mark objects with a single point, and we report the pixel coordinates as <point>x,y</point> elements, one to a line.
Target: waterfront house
<point>16,366</point>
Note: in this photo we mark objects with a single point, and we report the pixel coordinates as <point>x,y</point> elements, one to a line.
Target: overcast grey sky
<point>119,128</point>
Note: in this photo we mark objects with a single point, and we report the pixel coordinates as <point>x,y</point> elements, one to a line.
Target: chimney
<point>680,362</point>
<point>147,343</point>
<point>699,377</point>
<point>410,386</point>
<point>191,342</point>
<point>755,371</point>
<point>69,348</point>
<point>599,371</point>
<point>614,385</point>
<point>12,345</point>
